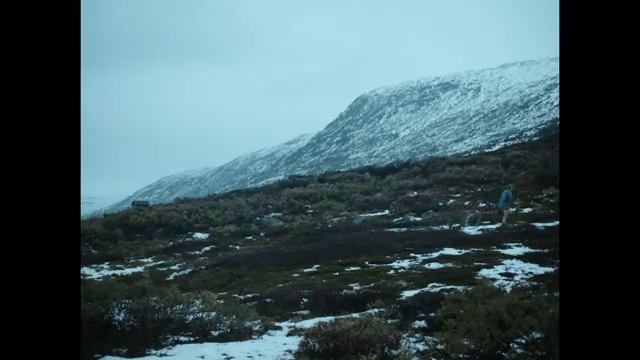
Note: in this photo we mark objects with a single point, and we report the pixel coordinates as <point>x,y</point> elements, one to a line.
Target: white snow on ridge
<point>144,260</point>
<point>312,269</point>
<point>516,249</point>
<point>433,287</point>
<point>200,236</point>
<point>542,226</point>
<point>247,296</point>
<point>173,267</point>
<point>418,324</point>
<point>440,227</point>
<point>203,250</point>
<point>100,271</point>
<point>419,258</point>
<point>403,229</point>
<point>97,272</point>
<point>480,229</point>
<point>355,287</point>
<point>179,273</point>
<point>437,265</point>
<point>385,212</point>
<point>396,229</point>
<point>408,218</point>
<point>306,324</point>
<point>450,251</point>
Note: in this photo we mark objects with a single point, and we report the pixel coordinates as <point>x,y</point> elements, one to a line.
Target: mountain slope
<point>248,170</point>
<point>436,116</point>
<point>218,277</point>
<point>458,113</point>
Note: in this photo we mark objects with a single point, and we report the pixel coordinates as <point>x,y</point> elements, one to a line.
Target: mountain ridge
<point>463,112</point>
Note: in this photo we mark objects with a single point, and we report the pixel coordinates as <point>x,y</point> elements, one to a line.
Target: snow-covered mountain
<point>244,171</point>
<point>463,112</point>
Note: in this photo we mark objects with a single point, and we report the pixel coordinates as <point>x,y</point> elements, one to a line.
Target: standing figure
<point>505,202</point>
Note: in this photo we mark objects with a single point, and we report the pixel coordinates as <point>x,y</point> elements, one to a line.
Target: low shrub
<point>366,337</point>
<point>487,323</point>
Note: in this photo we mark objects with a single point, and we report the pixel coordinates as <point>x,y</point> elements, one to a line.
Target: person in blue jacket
<point>505,202</point>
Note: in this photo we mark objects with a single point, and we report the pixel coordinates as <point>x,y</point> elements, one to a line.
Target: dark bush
<point>549,173</point>
<point>366,336</point>
<point>333,301</point>
<point>280,302</point>
<point>486,322</point>
<point>130,319</point>
<point>424,303</point>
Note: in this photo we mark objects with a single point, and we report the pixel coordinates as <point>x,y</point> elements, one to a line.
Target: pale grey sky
<point>172,85</point>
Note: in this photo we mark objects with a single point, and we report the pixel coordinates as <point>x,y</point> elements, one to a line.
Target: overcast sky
<point>172,85</point>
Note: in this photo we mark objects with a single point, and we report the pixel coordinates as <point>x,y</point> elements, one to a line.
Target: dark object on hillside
<point>140,204</point>
<point>429,217</point>
<point>271,220</point>
<point>359,220</point>
<point>472,219</point>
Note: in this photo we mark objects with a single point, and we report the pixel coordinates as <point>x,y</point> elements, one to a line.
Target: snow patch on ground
<point>519,273</point>
<point>385,212</point>
<point>203,250</point>
<point>437,265</point>
<point>179,273</point>
<point>200,236</point>
<point>100,271</point>
<point>480,229</point>
<point>516,249</point>
<point>419,258</point>
<point>275,344</point>
<point>542,226</point>
<point>433,287</point>
<point>312,269</point>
